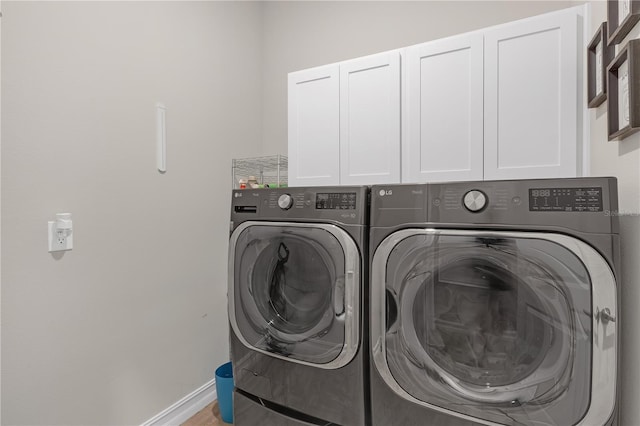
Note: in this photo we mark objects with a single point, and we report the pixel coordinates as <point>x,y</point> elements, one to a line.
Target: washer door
<point>294,291</point>
<point>496,327</point>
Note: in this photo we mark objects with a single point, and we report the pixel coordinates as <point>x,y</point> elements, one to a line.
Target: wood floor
<point>208,416</point>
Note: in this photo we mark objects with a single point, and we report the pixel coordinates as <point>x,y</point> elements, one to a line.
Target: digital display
<point>336,201</point>
<point>541,193</point>
<point>565,199</point>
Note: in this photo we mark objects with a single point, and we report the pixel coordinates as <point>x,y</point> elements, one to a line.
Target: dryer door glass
<point>492,327</point>
<point>289,290</point>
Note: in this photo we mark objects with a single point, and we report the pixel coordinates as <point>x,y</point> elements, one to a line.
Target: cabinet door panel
<point>443,120</point>
<point>370,120</point>
<point>531,110</point>
<point>314,144</point>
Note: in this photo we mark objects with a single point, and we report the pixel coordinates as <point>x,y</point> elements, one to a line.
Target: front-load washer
<point>494,302</point>
<point>297,260</point>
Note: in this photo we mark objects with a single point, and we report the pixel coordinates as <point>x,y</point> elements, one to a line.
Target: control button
<point>285,201</point>
<point>475,200</point>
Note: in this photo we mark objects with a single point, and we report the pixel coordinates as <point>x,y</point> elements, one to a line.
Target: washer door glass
<point>490,327</point>
<point>289,291</point>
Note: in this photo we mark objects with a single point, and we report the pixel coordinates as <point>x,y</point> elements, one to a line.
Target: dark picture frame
<point>599,55</point>
<point>623,98</point>
<point>619,30</point>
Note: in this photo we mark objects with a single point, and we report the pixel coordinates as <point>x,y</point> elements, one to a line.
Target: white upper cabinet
<point>314,127</point>
<point>444,109</point>
<point>344,122</point>
<point>370,120</point>
<point>499,103</point>
<point>531,101</point>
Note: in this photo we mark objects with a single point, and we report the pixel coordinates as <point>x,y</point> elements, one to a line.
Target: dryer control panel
<point>588,204</point>
<point>581,199</point>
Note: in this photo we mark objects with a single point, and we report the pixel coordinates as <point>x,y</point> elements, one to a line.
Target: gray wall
<point>134,317</point>
<point>622,159</point>
<point>299,35</point>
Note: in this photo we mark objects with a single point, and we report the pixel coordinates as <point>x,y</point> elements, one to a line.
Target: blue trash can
<point>224,389</point>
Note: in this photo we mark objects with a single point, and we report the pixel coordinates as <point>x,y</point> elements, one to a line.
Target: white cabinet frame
<point>531,83</point>
<point>314,126</point>
<point>370,120</point>
<point>443,113</point>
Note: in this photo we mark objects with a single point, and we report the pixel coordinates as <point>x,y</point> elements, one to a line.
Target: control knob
<point>285,201</point>
<point>475,200</point>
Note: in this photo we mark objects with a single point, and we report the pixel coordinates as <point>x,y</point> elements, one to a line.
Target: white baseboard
<point>184,409</point>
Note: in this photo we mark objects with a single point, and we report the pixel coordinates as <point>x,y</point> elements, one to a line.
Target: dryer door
<point>496,327</point>
<point>294,291</point>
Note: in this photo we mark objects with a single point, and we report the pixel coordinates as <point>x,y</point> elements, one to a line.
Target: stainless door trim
<point>352,290</point>
<point>604,346</point>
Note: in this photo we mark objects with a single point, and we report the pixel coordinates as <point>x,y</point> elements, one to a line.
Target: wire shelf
<point>268,170</point>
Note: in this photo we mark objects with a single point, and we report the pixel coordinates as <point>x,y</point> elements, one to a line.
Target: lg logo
<point>385,192</point>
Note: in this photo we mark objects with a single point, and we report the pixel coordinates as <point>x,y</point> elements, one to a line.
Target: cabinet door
<point>370,120</point>
<point>314,132</point>
<point>531,103</point>
<point>443,119</point>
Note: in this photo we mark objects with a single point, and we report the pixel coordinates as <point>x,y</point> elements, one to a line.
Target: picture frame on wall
<point>622,16</point>
<point>623,97</point>
<point>599,55</point>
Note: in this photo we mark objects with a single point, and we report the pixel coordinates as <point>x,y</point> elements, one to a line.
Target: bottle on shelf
<point>252,182</point>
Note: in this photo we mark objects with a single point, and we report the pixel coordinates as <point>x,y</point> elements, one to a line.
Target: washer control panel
<point>475,200</point>
<point>344,204</point>
<point>336,201</point>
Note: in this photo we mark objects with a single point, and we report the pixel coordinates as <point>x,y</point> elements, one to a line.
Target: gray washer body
<point>509,206</point>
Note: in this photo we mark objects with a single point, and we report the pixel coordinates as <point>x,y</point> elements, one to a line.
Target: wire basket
<point>270,171</point>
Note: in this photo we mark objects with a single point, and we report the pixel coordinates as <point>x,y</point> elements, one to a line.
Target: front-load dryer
<point>297,261</point>
<point>494,302</point>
